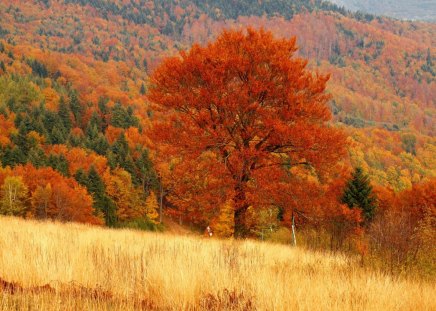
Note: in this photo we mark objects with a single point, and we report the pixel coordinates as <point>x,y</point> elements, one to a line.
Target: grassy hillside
<point>50,266</point>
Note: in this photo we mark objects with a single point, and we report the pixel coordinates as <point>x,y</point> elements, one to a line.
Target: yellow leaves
<point>38,138</point>
<point>151,207</point>
<point>51,99</point>
<point>397,180</point>
<point>41,201</point>
<point>224,224</point>
<point>120,189</point>
<point>13,196</point>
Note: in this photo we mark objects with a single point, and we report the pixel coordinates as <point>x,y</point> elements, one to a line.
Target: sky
<point>402,9</point>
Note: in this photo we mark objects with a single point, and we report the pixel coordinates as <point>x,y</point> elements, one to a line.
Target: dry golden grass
<point>90,268</point>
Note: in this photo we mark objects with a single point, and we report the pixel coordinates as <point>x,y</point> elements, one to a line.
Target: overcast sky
<point>408,9</point>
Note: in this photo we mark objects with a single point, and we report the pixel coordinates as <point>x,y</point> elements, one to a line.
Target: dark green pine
<point>358,194</point>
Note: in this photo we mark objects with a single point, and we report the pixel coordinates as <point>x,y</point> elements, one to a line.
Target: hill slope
<point>48,266</point>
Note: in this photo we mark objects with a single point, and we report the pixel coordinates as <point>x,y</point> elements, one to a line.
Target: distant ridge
<point>402,9</point>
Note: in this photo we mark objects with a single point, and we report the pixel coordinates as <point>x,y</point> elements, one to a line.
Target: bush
<point>142,224</point>
<point>283,236</point>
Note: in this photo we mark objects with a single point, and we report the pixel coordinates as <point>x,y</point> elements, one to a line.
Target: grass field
<point>49,266</point>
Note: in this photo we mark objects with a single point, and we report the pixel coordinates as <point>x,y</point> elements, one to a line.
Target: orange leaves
<point>6,128</point>
<point>51,99</point>
<point>79,158</point>
<point>249,103</point>
<point>54,196</point>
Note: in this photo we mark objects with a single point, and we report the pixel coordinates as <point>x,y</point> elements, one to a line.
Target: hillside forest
<point>77,113</point>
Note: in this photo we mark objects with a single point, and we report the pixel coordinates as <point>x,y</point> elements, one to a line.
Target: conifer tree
<point>358,194</point>
<point>64,114</point>
<point>120,150</point>
<point>142,90</point>
<point>76,108</point>
<point>37,157</point>
<point>58,135</point>
<point>59,163</point>
<point>81,177</point>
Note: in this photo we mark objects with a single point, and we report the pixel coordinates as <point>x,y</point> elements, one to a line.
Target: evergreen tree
<point>95,121</point>
<point>59,163</point>
<point>104,112</point>
<point>37,157</point>
<point>111,159</point>
<point>145,172</point>
<point>76,108</point>
<point>76,141</point>
<point>129,166</point>
<point>123,118</point>
<point>95,183</point>
<point>81,177</point>
<point>64,114</point>
<point>101,145</point>
<point>21,140</point>
<point>11,156</point>
<point>57,135</point>
<point>358,194</point>
<point>142,90</point>
<point>50,120</point>
<point>120,150</point>
<point>96,140</point>
<point>102,202</point>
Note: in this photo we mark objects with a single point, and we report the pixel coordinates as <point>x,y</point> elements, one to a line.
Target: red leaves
<point>245,99</point>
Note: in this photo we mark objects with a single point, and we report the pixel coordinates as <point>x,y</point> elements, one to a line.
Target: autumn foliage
<point>247,106</point>
<point>44,193</point>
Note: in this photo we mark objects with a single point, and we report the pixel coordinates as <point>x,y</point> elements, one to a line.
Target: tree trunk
<point>241,230</point>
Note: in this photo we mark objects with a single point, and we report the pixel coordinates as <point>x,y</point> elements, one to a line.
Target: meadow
<point>54,266</point>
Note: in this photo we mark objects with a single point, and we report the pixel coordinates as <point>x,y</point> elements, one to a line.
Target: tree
<point>358,193</point>
<point>151,207</point>
<point>102,202</point>
<point>247,100</point>
<point>142,90</point>
<point>41,200</point>
<point>223,225</point>
<point>64,114</point>
<point>121,191</point>
<point>14,195</point>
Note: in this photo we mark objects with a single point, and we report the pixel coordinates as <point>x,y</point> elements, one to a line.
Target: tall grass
<point>51,266</point>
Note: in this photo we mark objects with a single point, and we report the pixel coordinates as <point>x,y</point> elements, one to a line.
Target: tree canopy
<point>250,110</point>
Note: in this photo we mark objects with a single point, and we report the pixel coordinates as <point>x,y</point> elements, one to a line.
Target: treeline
<point>171,16</point>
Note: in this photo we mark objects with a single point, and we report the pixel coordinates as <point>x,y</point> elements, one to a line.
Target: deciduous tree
<point>14,195</point>
<point>251,103</point>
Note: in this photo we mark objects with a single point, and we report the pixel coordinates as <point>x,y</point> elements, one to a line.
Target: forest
<point>77,113</point>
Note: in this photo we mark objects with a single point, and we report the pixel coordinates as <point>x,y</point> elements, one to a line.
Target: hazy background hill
<point>402,9</point>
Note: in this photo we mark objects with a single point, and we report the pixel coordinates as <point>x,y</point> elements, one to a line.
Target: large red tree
<point>249,108</point>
